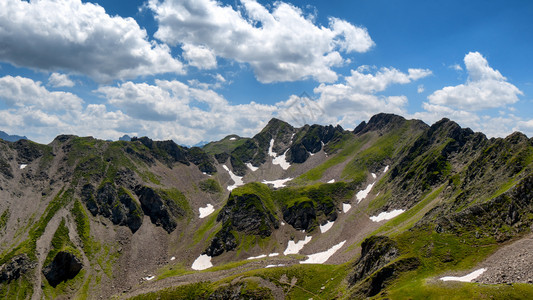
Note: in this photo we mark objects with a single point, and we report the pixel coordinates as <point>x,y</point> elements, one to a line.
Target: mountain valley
<point>387,210</point>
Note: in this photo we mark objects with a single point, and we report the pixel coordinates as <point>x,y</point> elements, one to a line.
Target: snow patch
<point>311,154</point>
<point>278,160</point>
<point>277,183</point>
<point>23,166</point>
<point>237,180</point>
<point>282,161</point>
<point>373,175</point>
<point>362,194</point>
<point>172,258</point>
<point>282,223</point>
<point>273,266</point>
<point>202,262</point>
<point>346,207</point>
<point>466,278</point>
<point>331,181</point>
<point>322,257</point>
<point>273,254</point>
<point>387,215</point>
<point>232,138</point>
<point>294,248</point>
<point>206,211</point>
<point>386,169</point>
<point>149,277</point>
<point>251,167</point>
<point>257,257</point>
<point>270,152</point>
<point>326,227</point>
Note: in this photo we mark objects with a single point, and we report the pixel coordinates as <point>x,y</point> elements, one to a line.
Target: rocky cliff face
<point>502,218</point>
<point>160,207</point>
<point>15,268</point>
<point>296,143</point>
<point>65,266</point>
<point>117,206</point>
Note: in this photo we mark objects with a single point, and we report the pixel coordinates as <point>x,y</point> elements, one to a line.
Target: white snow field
<point>331,181</point>
<point>387,215</point>
<point>251,167</point>
<point>362,194</point>
<point>278,160</point>
<point>294,248</point>
<point>149,277</point>
<point>206,211</point>
<point>277,183</point>
<point>257,257</point>
<point>373,175</point>
<point>466,278</point>
<point>326,227</point>
<point>202,262</point>
<point>23,166</point>
<point>232,138</point>
<point>322,257</point>
<point>273,266</point>
<point>346,207</point>
<point>237,180</point>
<point>270,152</point>
<point>263,256</point>
<point>386,169</point>
<point>282,161</point>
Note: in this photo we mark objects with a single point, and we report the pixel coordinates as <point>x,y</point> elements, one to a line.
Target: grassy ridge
<point>348,145</point>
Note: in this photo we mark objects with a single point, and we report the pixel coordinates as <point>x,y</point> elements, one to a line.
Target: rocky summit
<point>393,209</point>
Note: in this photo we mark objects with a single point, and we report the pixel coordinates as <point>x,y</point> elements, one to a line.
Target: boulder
<point>15,268</point>
<point>65,266</point>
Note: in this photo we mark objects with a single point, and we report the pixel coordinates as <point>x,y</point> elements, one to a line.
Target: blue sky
<point>198,70</point>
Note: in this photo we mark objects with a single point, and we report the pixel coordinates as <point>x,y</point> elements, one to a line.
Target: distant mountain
<point>383,211</point>
<point>11,138</point>
<point>201,144</point>
<point>125,138</point>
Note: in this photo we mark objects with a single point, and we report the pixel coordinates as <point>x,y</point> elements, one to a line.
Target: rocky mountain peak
<point>382,122</point>
<point>517,138</point>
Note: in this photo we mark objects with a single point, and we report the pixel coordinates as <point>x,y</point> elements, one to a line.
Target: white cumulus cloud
<point>281,44</point>
<point>79,37</point>
<point>353,100</point>
<point>24,92</point>
<point>199,56</point>
<point>363,82</point>
<point>60,80</point>
<point>485,88</point>
<point>171,109</point>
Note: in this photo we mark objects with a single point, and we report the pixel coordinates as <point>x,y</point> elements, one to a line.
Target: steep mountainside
<point>385,210</point>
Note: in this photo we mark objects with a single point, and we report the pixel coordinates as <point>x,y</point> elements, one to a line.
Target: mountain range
<point>11,138</point>
<point>393,209</point>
